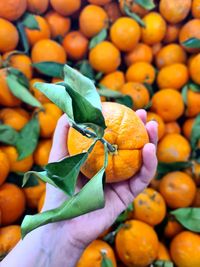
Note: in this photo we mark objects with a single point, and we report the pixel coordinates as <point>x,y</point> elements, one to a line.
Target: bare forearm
<point>44,248</point>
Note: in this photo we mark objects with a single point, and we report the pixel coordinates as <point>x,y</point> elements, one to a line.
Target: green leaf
<point>8,135</point>
<point>30,22</point>
<point>188,217</point>
<point>185,94</point>
<point>110,237</point>
<point>23,38</point>
<point>163,168</point>
<point>192,43</point>
<point>85,68</point>
<point>133,16</point>
<point>125,100</point>
<point>17,179</point>
<point>146,4</point>
<point>21,78</point>
<point>98,76</point>
<point>82,85</point>
<point>58,95</point>
<point>125,214</point>
<point>194,87</point>
<point>49,68</point>
<point>149,88</point>
<point>28,138</point>
<point>106,262</point>
<point>101,36</point>
<point>195,135</point>
<point>20,91</point>
<point>161,263</point>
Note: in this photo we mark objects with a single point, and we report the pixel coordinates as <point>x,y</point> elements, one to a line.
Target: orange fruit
<point>37,6</point>
<point>149,207</point>
<point>187,127</point>
<point>141,72</point>
<point>133,6</point>
<point>141,52</point>
<point>59,25</point>
<point>137,244</point>
<point>92,20</point>
<point>48,119</point>
<point>170,54</point>
<point>185,249</point>
<point>16,165</point>
<point>178,189</point>
<point>12,9</point>
<point>125,33</point>
<point>4,167</point>
<point>105,57</point>
<point>92,256</point>
<point>48,50</point>
<point>175,11</point>
<point>75,45</point>
<point>34,35</point>
<point>114,80</point>
<point>173,147</point>
<point>172,127</point>
<point>56,80</point>
<point>163,253</point>
<point>9,237</point>
<point>172,33</point>
<point>66,7</point>
<point>41,201</point>
<point>8,35</point>
<point>156,48</point>
<point>37,94</point>
<point>155,29</point>
<point>113,11</point>
<point>194,65</point>
<point>6,97</point>
<point>12,203</point>
<point>41,154</point>
<point>17,118</point>
<point>180,75</point>
<point>33,194</point>
<point>190,30</point>
<point>99,2</point>
<point>172,228</point>
<point>193,103</point>
<point>20,62</point>
<point>126,160</point>
<point>196,9</point>
<point>151,116</point>
<point>168,103</point>
<point>138,92</point>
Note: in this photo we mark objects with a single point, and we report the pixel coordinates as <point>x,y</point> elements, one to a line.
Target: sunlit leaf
<point>30,22</point>
<point>49,68</point>
<point>101,36</point>
<point>192,43</point>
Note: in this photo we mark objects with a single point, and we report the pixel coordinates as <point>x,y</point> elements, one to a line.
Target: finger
<point>152,129</point>
<point>59,147</point>
<point>142,114</point>
<point>140,181</point>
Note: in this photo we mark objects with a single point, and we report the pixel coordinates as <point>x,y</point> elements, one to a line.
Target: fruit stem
<point>110,147</point>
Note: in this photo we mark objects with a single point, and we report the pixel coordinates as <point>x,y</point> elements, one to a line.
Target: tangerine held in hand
<point>126,132</point>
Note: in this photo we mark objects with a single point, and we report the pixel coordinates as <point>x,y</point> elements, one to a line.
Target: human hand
<point>84,229</point>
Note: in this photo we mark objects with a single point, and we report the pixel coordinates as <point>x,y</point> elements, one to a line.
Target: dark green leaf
<point>185,94</point>
<point>149,88</point>
<point>146,4</point>
<point>30,22</point>
<point>133,16</point>
<point>58,95</point>
<point>21,78</point>
<point>163,168</point>
<point>160,263</point>
<point>101,36</point>
<point>20,91</point>
<point>23,37</point>
<point>110,237</point>
<point>125,214</point>
<point>17,179</point>
<point>195,135</point>
<point>148,106</point>
<point>106,262</point>
<point>194,87</point>
<point>98,76</point>
<point>8,135</point>
<point>64,173</point>
<point>192,43</point>
<point>82,85</point>
<point>125,100</point>
<point>189,218</point>
<point>28,138</point>
<point>85,68</point>
<point>49,68</point>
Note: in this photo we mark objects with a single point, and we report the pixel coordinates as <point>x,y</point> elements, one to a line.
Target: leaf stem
<point>110,147</point>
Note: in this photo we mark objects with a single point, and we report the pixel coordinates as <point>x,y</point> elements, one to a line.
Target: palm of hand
<point>117,196</point>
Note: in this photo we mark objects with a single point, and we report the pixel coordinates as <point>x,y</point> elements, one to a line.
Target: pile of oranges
<point>151,54</point>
